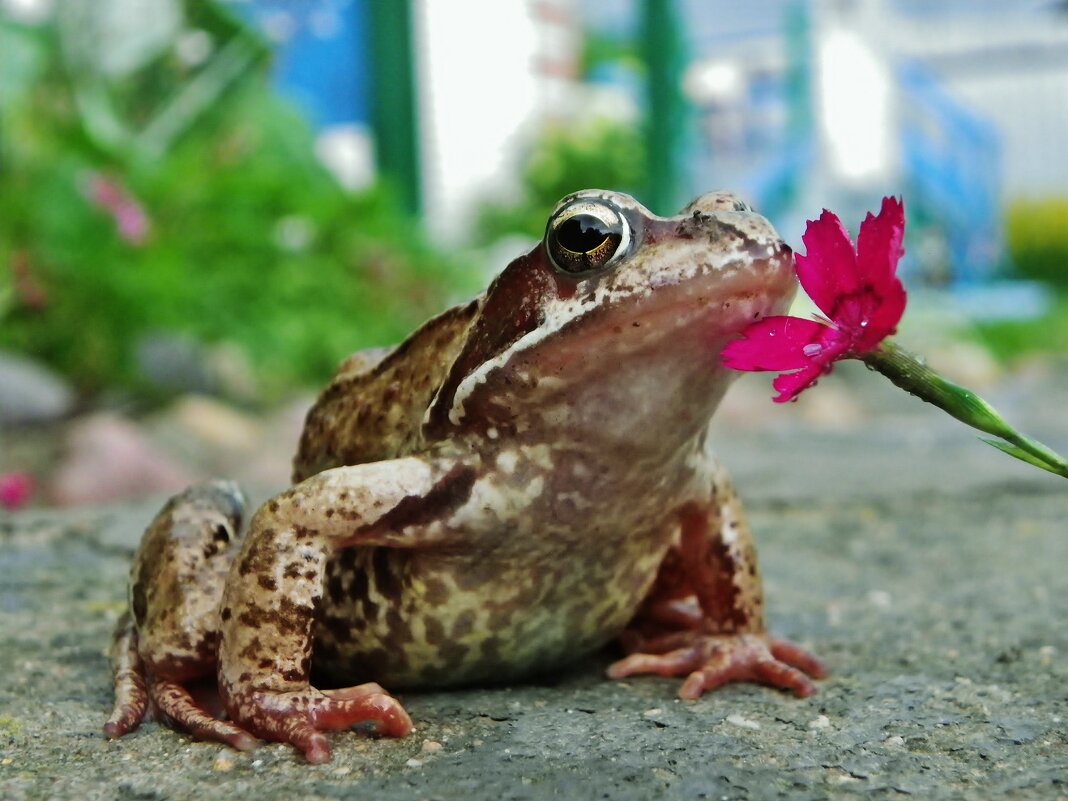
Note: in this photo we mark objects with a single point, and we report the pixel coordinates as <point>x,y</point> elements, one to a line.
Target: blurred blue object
<point>319,47</point>
<point>952,164</point>
<point>999,301</point>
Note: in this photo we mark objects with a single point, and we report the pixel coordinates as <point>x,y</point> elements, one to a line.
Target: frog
<point>525,479</point>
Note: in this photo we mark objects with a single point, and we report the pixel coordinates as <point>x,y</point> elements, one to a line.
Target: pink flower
<point>15,490</point>
<point>130,219</point>
<point>858,289</point>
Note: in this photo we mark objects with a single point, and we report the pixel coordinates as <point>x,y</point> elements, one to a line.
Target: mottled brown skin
<point>524,479</point>
<point>169,635</point>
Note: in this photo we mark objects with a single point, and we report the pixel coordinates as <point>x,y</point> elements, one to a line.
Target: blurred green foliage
<point>597,154</point>
<point>1036,233</point>
<point>250,241</point>
<point>1037,236</point>
<point>1011,340</point>
<point>600,51</point>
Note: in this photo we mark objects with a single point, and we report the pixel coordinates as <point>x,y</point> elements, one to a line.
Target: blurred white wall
<point>488,69</point>
<point>1010,67</point>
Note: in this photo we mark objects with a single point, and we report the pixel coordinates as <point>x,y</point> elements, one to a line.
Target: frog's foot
<point>131,703</point>
<point>711,660</point>
<point>300,717</point>
<point>174,705</point>
<point>128,673</point>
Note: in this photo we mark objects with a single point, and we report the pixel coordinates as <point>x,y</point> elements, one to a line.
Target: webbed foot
<point>712,660</point>
<point>172,705</point>
<point>176,707</point>
<point>300,717</point>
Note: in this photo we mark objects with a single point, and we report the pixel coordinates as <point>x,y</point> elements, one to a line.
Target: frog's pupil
<point>584,232</point>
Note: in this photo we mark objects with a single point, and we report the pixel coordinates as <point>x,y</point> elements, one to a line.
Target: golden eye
<point>586,235</point>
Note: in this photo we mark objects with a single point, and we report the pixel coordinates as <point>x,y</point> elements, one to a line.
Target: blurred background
<point>206,204</point>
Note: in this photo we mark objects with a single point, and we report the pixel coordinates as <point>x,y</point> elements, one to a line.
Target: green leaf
<point>1022,455</point>
<point>914,376</point>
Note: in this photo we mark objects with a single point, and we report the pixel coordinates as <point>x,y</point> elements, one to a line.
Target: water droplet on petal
<point>812,350</point>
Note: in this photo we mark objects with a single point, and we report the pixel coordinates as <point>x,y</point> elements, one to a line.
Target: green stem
<point>915,377</point>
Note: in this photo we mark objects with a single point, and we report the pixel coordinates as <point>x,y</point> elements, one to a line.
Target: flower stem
<point>915,377</point>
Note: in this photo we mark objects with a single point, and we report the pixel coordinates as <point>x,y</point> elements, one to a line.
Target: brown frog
<point>524,479</point>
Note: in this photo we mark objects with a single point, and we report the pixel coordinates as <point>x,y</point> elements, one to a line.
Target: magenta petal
<point>828,271</point>
<point>884,318</point>
<point>835,345</point>
<point>15,490</point>
<point>879,247</point>
<point>790,385</point>
<point>776,343</point>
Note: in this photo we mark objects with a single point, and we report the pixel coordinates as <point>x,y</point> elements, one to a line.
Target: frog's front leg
<point>704,617</point>
<point>276,585</point>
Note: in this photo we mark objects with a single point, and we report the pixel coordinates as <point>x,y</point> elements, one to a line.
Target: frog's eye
<point>586,236</point>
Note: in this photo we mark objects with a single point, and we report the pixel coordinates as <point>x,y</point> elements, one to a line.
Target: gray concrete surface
<point>929,571</point>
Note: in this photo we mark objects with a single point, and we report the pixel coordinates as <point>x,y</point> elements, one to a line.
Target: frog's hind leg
<point>175,705</point>
<point>168,636</point>
<point>131,696</point>
<point>704,617</point>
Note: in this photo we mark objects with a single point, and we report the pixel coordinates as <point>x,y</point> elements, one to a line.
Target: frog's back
<point>373,408</point>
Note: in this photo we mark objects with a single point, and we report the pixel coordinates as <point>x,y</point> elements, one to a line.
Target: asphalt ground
<point>929,571</point>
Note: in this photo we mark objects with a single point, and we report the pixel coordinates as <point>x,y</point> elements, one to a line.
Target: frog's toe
<point>745,664</point>
<point>128,671</point>
<point>710,661</point>
<point>798,657</point>
<point>300,717</point>
<point>131,703</point>
<point>178,708</point>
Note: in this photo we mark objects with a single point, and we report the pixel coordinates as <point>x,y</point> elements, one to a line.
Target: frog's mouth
<point>685,321</point>
<point>717,302</point>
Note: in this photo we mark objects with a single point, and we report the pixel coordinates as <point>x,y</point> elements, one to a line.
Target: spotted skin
<point>375,404</point>
<point>169,635</point>
<point>523,480</point>
<point>128,676</point>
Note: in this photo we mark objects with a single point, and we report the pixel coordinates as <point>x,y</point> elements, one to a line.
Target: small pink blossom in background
<point>15,490</point>
<point>130,219</point>
<point>857,288</point>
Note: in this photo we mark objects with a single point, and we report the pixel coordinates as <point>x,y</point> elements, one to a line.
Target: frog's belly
<point>408,618</point>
